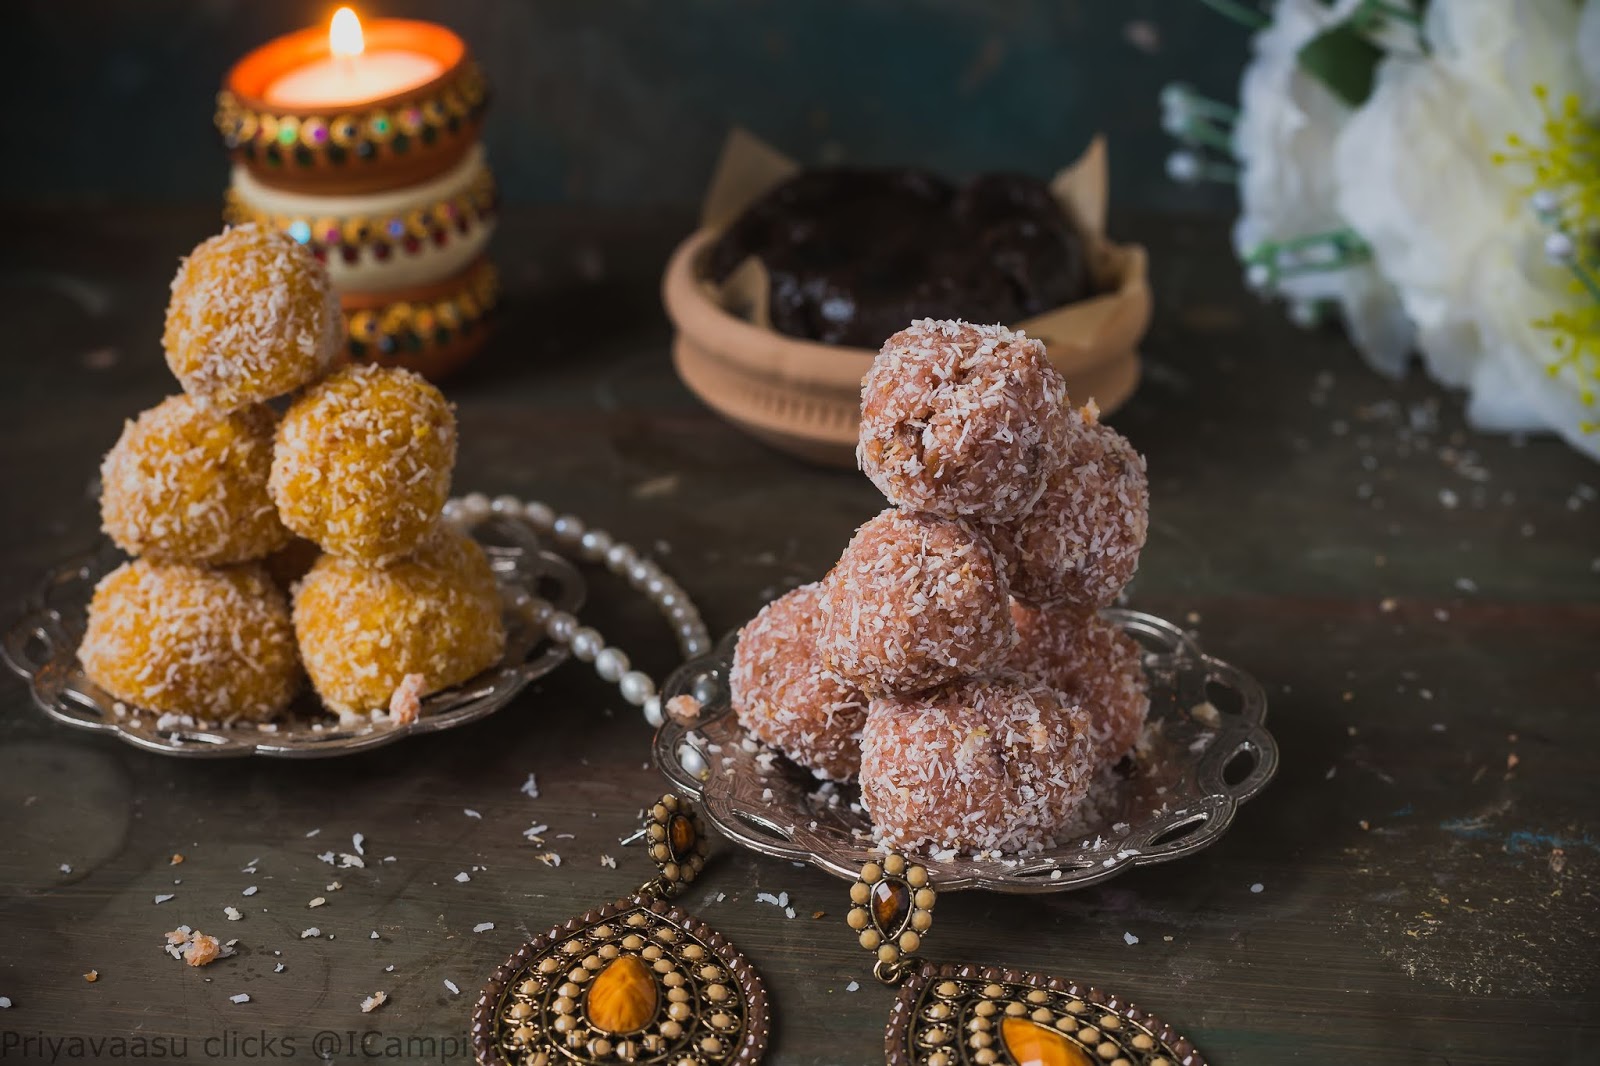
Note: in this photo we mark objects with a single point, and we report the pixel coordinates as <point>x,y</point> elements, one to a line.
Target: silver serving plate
<point>42,648</point>
<point>1207,751</point>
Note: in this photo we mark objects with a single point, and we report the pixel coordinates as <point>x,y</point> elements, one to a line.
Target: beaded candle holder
<point>363,144</point>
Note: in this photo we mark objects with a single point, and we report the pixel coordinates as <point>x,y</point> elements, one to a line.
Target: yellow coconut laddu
<point>362,463</point>
<point>188,483</point>
<point>367,632</point>
<point>252,316</point>
<point>172,638</point>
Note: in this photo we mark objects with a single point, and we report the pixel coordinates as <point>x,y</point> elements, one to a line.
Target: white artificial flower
<point>1417,179</point>
<point>1284,139</point>
<point>1518,353</point>
<point>1589,44</point>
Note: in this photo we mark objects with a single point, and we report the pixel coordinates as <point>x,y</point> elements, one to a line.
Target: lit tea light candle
<point>360,140</point>
<point>350,74</point>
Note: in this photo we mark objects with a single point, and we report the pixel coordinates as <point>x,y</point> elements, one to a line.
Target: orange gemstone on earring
<point>1031,1044</point>
<point>681,835</point>
<point>623,998</point>
<point>891,905</point>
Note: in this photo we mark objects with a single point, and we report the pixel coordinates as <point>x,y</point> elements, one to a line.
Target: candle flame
<point>344,34</point>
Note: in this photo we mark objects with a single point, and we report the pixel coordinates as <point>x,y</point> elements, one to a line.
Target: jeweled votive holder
<point>393,194</point>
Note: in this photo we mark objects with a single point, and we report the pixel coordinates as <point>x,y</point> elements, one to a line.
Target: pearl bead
<point>451,511</point>
<point>595,543</point>
<point>697,647</point>
<point>641,571</point>
<point>611,664</point>
<point>569,527</point>
<point>561,626</point>
<point>657,584</point>
<point>637,687</point>
<point>670,598</point>
<point>505,505</point>
<point>652,711</point>
<point>587,643</point>
<point>475,506</point>
<point>539,611</point>
<point>540,515</point>
<point>682,612</point>
<point>692,760</point>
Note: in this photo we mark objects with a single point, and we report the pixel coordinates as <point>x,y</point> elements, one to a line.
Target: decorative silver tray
<point>42,648</point>
<point>1208,751</point>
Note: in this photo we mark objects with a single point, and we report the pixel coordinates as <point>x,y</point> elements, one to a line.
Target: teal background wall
<point>625,102</point>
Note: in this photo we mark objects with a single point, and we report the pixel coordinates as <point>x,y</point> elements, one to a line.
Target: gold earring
<point>635,981</point>
<point>973,1015</point>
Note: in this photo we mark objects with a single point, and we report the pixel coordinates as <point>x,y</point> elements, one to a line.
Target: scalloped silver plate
<point>1178,797</point>
<point>42,648</point>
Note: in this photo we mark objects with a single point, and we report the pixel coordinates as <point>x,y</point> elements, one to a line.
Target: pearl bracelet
<point>597,546</point>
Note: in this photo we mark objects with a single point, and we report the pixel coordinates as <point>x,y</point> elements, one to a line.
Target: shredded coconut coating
<point>172,638</point>
<point>783,695</point>
<point>914,602</point>
<point>364,629</point>
<point>1079,546</point>
<point>363,462</point>
<point>995,764</point>
<point>1090,662</point>
<point>252,316</point>
<point>961,420</point>
<point>187,483</point>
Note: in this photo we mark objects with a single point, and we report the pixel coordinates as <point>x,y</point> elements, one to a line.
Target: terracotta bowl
<point>804,398</point>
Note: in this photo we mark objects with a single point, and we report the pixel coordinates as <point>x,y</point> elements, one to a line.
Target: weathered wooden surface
<point>1420,602</point>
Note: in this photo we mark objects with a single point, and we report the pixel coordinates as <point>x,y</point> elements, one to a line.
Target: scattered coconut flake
<point>373,1002</point>
<point>608,862</point>
<point>463,877</point>
<point>470,813</point>
<point>483,927</point>
<point>249,891</point>
<point>332,886</point>
<point>1129,939</point>
<point>451,985</point>
<point>358,841</point>
<point>788,912</point>
<point>374,935</point>
<point>175,860</point>
<point>5,1002</point>
<point>853,986</point>
<point>405,705</point>
<point>346,860</point>
<point>1257,887</point>
<point>530,787</point>
<point>92,976</point>
<point>278,968</point>
<point>232,913</point>
<point>319,901</point>
<point>163,897</point>
<point>326,857</point>
<point>66,867</point>
<point>550,858</point>
<point>389,968</point>
<point>313,832</point>
<point>242,997</point>
<point>308,933</point>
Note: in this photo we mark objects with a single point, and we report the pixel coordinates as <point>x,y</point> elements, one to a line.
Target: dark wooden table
<point>1420,601</point>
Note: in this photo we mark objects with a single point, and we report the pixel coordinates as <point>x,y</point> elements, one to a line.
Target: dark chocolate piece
<point>853,255</point>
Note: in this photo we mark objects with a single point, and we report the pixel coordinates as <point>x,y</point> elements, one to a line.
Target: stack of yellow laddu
<point>270,548</point>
